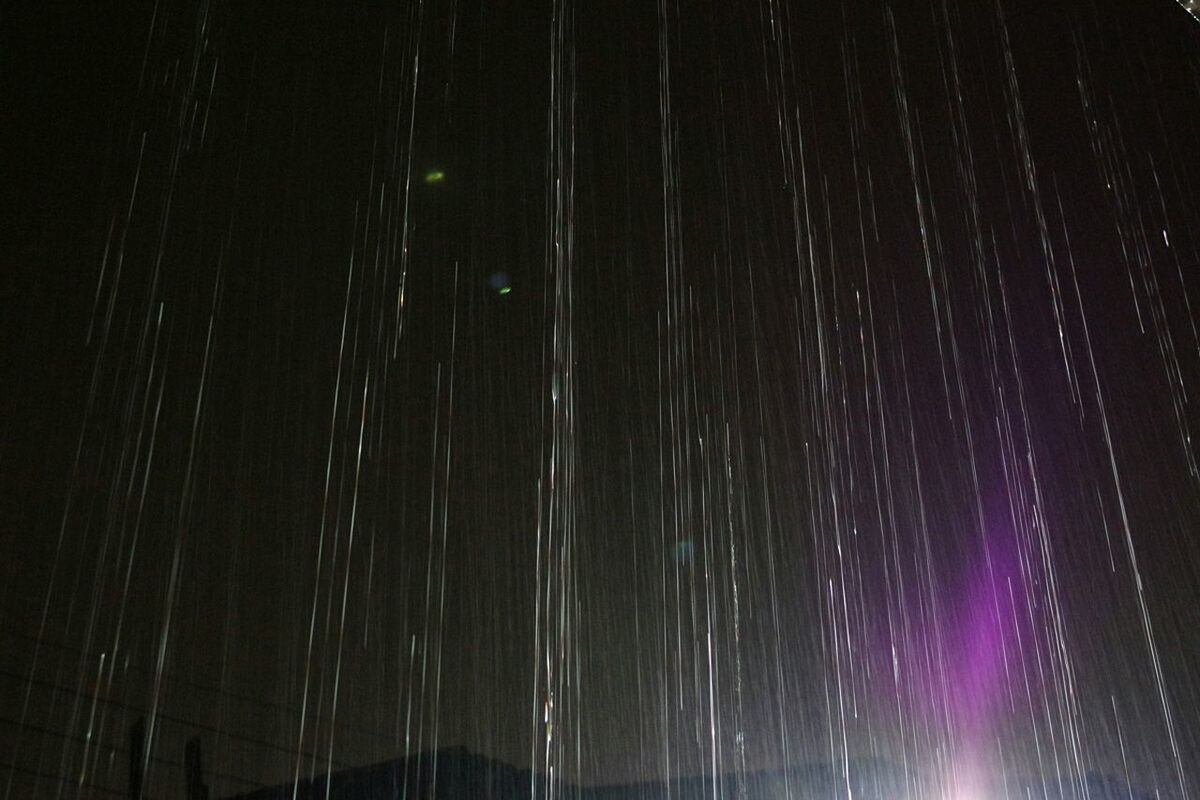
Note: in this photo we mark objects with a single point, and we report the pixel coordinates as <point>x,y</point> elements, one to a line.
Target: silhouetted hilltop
<point>448,773</point>
<point>1095,787</point>
<point>866,780</point>
<point>454,773</point>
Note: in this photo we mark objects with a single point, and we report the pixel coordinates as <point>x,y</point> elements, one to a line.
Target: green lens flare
<point>435,176</point>
<point>505,289</point>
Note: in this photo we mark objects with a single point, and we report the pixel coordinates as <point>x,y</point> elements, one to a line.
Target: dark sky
<point>634,389</point>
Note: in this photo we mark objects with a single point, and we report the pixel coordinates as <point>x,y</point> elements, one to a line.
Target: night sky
<point>622,390</point>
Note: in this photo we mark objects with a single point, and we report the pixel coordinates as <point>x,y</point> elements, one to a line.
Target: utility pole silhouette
<point>193,770</point>
<point>137,746</point>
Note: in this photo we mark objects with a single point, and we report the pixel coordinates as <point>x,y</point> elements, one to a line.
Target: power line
<point>346,723</point>
<point>120,750</point>
<point>290,752</point>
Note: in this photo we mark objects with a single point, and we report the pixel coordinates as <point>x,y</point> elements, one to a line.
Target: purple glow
<point>981,620</point>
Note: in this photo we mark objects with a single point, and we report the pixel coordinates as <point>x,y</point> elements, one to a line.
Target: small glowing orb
<point>435,176</point>
<point>500,283</point>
